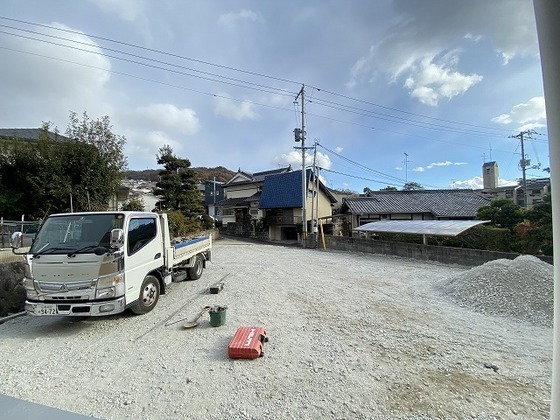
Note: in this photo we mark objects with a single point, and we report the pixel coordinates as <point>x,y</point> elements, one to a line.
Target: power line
<point>152,50</point>
<point>260,87</point>
<point>247,85</point>
<point>145,79</point>
<point>369,179</point>
<point>401,120</point>
<point>376,172</point>
<point>359,165</point>
<point>404,112</point>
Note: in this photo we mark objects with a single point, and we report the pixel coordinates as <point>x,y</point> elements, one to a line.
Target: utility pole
<point>214,196</point>
<point>523,163</point>
<point>313,229</point>
<point>300,136</point>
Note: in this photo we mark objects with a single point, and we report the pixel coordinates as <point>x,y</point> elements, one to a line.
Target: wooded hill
<point>202,174</point>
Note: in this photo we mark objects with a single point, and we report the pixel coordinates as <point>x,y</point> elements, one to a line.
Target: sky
<point>388,91</point>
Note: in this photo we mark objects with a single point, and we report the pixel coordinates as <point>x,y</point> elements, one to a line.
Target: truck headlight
<point>30,291</point>
<point>110,286</point>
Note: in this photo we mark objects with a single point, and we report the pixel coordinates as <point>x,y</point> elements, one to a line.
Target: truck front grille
<point>70,286</point>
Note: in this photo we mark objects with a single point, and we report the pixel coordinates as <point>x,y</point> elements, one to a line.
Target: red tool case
<point>247,343</point>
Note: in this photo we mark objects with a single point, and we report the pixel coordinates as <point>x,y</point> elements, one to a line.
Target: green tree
<point>99,152</point>
<point>44,176</point>
<point>177,187</point>
<point>134,204</point>
<point>412,186</point>
<point>389,188</point>
<point>535,232</point>
<point>502,213</point>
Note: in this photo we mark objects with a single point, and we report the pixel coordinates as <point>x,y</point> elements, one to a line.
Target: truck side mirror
<point>15,240</point>
<point>117,238</point>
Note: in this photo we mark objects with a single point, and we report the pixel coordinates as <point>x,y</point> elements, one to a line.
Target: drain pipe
<point>547,15</point>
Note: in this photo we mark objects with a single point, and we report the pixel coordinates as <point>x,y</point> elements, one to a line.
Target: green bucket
<point>217,315</point>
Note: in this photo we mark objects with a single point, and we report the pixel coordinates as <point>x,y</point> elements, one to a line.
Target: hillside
<point>202,174</point>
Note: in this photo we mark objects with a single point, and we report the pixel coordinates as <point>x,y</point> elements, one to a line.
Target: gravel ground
<point>351,336</point>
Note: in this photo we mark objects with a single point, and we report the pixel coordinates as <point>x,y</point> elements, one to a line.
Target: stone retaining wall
<point>12,293</point>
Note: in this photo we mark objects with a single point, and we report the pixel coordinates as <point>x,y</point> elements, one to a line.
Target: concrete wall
<point>447,255</point>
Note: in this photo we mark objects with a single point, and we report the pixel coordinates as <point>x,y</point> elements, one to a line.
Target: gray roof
<point>257,176</point>
<point>440,203</point>
<point>28,134</point>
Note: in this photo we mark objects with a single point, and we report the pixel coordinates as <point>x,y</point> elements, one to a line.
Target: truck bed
<point>184,250</point>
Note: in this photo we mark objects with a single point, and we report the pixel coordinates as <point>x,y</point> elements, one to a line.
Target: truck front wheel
<point>195,271</point>
<point>149,296</point>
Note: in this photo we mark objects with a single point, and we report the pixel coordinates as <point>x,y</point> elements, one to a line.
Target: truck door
<point>143,252</point>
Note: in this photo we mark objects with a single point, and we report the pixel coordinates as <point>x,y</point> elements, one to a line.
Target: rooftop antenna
<point>406,166</point>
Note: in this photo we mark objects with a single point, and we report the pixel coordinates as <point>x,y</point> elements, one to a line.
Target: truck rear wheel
<point>195,272</point>
<point>149,296</point>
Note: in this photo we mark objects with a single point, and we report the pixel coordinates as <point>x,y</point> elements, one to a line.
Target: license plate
<point>46,310</point>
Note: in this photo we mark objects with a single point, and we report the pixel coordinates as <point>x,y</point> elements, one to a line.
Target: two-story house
<point>241,196</point>
<point>281,200</point>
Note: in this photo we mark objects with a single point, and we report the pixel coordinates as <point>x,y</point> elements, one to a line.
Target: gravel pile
<point>522,288</point>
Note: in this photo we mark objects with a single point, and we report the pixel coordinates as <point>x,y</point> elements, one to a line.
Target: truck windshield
<point>75,232</point>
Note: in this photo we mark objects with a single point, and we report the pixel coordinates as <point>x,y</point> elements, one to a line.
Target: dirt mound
<point>522,288</point>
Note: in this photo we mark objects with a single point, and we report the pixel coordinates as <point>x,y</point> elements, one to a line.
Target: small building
<point>412,205</point>
<point>490,175</point>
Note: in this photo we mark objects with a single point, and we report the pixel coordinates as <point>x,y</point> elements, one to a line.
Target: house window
<point>227,212</point>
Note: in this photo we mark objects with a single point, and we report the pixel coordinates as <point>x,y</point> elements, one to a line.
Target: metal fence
<point>7,228</point>
<point>7,256</point>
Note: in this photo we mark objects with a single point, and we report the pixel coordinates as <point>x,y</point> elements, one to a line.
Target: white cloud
<point>338,149</point>
<point>323,161</point>
<point>503,119</point>
<point>418,169</point>
<point>146,146</point>
<point>226,106</point>
<point>294,158</point>
<point>47,82</point>
<point>530,115</point>
<point>477,183</point>
<point>168,117</point>
<point>431,82</point>
<point>231,19</point>
<point>417,47</point>
<point>446,163</point>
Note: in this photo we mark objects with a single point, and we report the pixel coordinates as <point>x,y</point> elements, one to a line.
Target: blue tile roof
<point>282,191</point>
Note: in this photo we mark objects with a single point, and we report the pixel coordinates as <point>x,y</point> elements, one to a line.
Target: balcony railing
<point>284,219</point>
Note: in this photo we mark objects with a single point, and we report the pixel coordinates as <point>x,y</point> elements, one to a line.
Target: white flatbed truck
<point>101,263</point>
